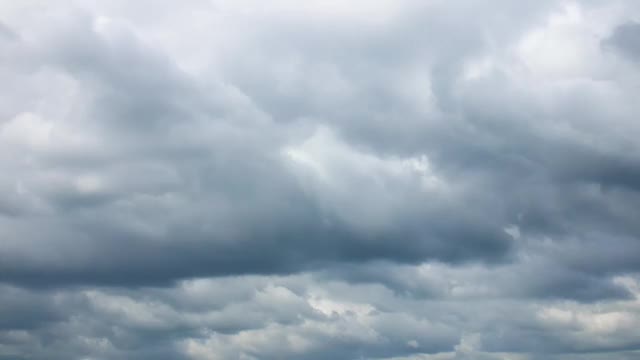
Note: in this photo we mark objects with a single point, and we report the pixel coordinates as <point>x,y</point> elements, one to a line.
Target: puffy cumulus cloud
<point>319,179</point>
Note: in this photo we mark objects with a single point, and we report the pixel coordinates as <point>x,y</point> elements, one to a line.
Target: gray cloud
<point>626,39</point>
<point>393,180</point>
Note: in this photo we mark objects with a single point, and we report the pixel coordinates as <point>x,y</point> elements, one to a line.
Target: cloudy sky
<point>391,179</point>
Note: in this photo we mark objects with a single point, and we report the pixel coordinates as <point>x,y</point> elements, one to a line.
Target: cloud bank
<point>319,179</point>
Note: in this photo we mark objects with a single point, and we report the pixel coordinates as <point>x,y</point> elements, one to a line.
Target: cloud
<point>193,179</point>
<point>624,39</point>
<point>306,316</point>
<point>314,180</point>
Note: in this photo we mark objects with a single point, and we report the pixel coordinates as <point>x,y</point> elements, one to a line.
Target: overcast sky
<point>285,179</point>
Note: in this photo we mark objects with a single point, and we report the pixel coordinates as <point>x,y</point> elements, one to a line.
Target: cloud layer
<point>243,180</point>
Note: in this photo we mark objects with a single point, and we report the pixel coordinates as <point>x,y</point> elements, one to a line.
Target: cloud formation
<point>242,180</point>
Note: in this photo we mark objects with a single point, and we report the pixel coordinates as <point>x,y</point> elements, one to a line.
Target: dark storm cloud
<point>300,180</point>
<point>148,114</point>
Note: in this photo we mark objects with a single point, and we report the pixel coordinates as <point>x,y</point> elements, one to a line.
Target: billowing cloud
<point>242,180</point>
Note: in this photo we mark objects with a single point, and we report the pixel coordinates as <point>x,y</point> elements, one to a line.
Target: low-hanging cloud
<point>399,180</point>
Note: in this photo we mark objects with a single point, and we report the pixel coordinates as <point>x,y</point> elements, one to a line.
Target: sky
<point>417,180</point>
